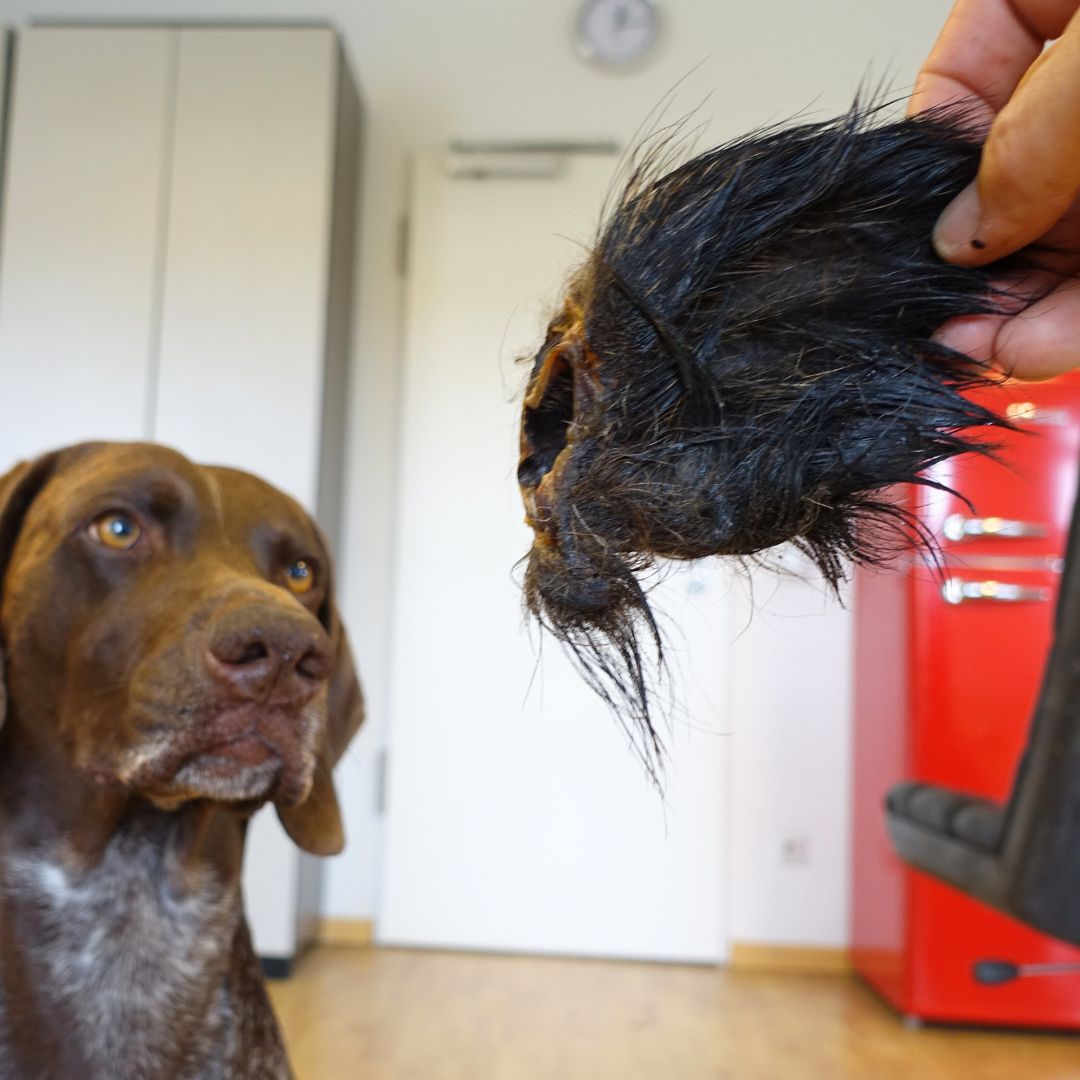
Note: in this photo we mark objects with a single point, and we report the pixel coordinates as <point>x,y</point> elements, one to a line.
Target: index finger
<point>983,51</point>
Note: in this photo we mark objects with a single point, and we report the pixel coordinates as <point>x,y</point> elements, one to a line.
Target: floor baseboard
<point>745,955</point>
<point>357,933</point>
<point>789,959</point>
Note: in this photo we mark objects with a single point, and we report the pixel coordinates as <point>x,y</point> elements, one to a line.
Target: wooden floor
<point>376,1014</point>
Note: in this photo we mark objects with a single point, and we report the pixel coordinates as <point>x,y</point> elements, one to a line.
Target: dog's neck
<point>48,810</point>
<point>121,932</point>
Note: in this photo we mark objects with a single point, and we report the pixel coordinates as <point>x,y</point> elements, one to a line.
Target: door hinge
<point>404,230</point>
<point>380,782</point>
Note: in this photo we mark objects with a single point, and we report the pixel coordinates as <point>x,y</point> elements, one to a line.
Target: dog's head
<point>171,628</point>
<point>747,358</point>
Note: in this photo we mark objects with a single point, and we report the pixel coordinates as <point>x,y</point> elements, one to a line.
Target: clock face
<point>617,32</point>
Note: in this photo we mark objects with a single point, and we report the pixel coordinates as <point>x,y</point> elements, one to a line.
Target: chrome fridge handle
<point>956,590</point>
<point>958,528</point>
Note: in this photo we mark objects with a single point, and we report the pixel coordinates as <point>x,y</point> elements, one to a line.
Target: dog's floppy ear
<point>315,824</point>
<point>17,491</point>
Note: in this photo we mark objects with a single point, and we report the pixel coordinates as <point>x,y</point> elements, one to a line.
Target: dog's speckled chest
<point>143,981</point>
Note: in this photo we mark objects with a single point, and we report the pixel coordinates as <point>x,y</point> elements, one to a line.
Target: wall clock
<point>617,33</point>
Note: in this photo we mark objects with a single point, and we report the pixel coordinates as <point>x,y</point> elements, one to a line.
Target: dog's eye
<point>116,530</point>
<point>300,576</point>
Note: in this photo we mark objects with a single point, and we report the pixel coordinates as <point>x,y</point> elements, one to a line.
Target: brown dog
<point>173,659</point>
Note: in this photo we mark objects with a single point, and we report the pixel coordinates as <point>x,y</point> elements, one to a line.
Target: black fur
<point>745,359</point>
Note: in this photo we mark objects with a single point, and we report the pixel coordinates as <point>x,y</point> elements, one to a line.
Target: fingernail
<point>957,230</point>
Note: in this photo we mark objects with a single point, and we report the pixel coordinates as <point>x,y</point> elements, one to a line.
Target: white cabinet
<point>81,236</point>
<point>175,263</point>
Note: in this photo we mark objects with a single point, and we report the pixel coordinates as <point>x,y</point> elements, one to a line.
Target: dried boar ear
<point>748,358</point>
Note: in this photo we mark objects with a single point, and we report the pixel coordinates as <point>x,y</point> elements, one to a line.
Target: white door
<point>518,818</point>
<point>80,268</point>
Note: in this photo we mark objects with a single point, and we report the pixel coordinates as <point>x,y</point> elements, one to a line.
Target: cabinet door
<point>243,327</point>
<point>82,218</point>
<point>244,314</point>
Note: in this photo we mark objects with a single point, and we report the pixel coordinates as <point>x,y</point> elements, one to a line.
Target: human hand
<point>990,56</point>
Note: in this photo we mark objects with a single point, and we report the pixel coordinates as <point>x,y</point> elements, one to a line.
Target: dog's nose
<point>268,656</point>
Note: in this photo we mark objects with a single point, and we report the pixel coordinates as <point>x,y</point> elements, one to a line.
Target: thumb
<point>1030,169</point>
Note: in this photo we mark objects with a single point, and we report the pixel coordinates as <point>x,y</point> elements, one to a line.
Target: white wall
<point>430,71</point>
<point>790,847</point>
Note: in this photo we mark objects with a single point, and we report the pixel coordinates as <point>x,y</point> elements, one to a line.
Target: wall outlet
<point>795,850</point>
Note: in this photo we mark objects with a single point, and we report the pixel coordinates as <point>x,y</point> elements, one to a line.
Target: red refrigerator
<point>947,671</point>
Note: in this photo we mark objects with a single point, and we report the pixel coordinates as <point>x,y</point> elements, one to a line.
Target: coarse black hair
<point>747,358</point>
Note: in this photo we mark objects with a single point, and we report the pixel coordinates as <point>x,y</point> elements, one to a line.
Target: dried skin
<point>746,359</point>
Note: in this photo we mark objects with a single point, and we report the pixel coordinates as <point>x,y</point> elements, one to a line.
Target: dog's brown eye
<point>300,577</point>
<point>116,530</point>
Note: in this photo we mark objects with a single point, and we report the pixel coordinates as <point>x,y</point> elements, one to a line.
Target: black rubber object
<point>1022,857</point>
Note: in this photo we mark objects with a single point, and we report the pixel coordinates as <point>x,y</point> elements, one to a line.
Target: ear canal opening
<point>546,424</point>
